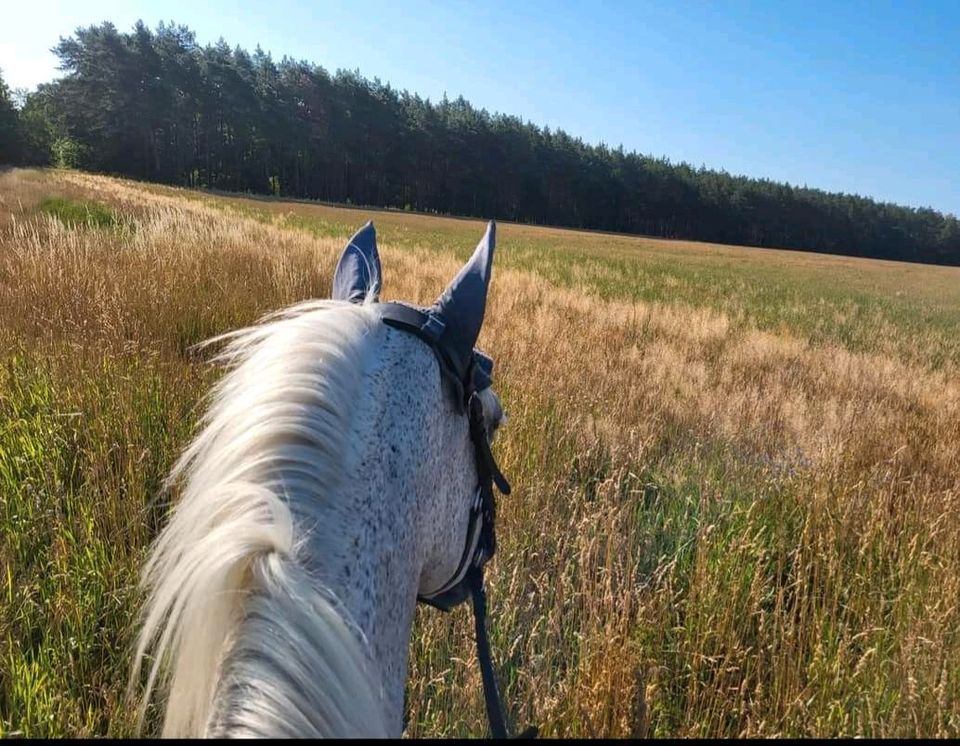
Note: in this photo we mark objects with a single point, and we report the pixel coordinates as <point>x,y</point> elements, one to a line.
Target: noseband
<point>481,534</point>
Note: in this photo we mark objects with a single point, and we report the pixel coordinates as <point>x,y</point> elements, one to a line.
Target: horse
<point>333,483</point>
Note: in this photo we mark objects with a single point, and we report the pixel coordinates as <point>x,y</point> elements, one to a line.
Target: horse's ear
<point>358,271</point>
<point>462,304</point>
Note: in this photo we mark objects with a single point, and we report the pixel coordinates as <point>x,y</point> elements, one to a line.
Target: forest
<point>154,105</point>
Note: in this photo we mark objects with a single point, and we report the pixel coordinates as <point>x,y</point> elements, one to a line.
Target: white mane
<point>230,570</point>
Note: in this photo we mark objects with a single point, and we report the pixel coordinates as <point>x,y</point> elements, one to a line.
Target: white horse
<point>333,482</point>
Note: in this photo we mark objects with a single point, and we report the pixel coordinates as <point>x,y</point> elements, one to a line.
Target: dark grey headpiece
<point>452,324</point>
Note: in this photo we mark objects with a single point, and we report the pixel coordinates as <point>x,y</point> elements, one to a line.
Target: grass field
<point>736,506</point>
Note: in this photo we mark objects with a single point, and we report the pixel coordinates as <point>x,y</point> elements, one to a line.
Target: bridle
<point>428,325</point>
<point>450,329</point>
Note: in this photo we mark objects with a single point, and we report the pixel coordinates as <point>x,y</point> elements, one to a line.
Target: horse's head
<point>455,394</point>
<point>343,472</point>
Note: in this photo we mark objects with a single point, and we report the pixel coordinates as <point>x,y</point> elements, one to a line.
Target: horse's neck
<point>401,513</point>
<point>387,512</point>
<point>367,560</point>
<point>367,552</point>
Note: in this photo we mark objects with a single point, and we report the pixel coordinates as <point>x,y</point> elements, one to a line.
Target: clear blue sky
<point>854,97</point>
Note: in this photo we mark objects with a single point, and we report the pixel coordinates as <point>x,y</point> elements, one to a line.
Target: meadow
<point>736,471</point>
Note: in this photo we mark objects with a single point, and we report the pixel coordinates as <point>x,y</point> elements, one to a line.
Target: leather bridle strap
<point>488,474</point>
<point>491,692</point>
<point>481,533</point>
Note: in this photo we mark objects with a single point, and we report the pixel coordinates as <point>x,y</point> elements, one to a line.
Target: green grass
<point>671,562</point>
<point>83,450</point>
<point>74,213</point>
<point>823,299</point>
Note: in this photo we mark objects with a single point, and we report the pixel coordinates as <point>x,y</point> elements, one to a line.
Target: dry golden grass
<point>736,471</point>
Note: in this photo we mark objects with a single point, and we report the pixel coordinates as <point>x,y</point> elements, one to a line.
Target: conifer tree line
<point>156,105</point>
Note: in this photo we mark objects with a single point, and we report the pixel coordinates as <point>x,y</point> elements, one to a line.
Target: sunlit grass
<point>736,471</point>
<point>73,213</point>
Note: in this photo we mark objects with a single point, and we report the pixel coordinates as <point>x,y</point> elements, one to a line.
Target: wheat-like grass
<point>735,512</point>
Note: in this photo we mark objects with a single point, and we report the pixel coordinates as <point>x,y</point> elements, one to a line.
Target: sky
<point>858,97</point>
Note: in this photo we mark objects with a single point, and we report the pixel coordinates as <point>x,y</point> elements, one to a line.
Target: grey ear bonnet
<point>452,323</point>
<point>463,304</point>
<point>358,271</point>
<point>482,371</point>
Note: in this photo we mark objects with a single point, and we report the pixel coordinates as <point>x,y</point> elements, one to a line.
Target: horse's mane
<point>230,569</point>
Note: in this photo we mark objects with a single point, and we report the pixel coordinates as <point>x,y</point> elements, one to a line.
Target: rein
<point>481,531</point>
